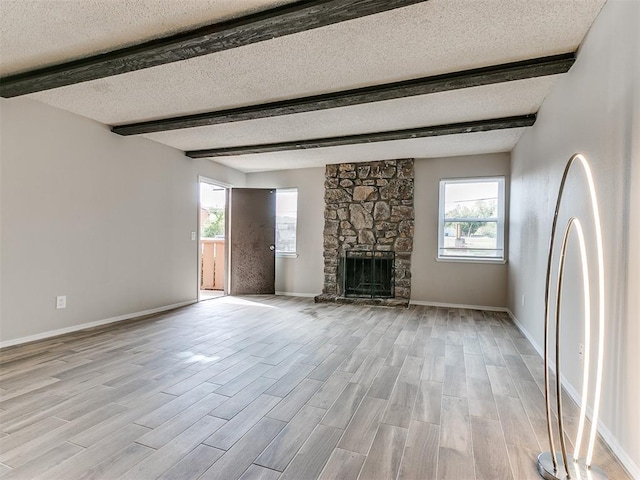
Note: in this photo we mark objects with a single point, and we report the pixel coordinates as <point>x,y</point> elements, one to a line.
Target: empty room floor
<point>275,387</point>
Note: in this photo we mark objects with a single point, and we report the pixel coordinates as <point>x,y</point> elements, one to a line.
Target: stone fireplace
<point>369,214</point>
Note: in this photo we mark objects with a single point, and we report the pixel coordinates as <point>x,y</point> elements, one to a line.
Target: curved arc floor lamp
<point>553,465</point>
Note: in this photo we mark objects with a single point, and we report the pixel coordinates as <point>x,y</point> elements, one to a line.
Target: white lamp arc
<point>548,465</point>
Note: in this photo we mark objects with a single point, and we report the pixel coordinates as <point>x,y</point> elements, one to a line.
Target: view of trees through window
<point>212,205</point>
<point>470,214</point>
<point>213,224</point>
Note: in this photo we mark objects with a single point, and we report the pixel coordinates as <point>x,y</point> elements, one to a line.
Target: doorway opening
<point>212,249</point>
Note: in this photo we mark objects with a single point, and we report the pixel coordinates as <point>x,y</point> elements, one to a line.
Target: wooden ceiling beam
<point>508,72</point>
<point>276,22</point>
<point>433,131</point>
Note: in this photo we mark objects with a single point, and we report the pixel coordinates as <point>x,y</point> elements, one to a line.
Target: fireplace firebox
<point>368,274</point>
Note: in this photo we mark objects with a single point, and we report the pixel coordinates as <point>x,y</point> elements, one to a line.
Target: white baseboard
<point>527,335</point>
<point>604,432</point>
<point>84,326</point>
<point>458,305</point>
<point>296,294</point>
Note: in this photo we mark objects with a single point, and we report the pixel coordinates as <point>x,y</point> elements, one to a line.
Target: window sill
<point>493,261</point>
<point>286,255</point>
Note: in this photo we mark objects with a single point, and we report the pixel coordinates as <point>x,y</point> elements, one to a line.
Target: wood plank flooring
<point>272,387</point>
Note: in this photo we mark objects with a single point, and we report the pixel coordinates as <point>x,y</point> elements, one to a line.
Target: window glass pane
<point>483,242</point>
<point>471,200</point>
<point>470,216</point>
<point>286,220</point>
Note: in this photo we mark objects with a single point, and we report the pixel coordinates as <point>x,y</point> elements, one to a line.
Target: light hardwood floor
<point>273,387</point>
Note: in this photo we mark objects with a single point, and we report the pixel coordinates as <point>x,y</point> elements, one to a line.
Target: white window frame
<point>500,220</point>
<point>280,253</point>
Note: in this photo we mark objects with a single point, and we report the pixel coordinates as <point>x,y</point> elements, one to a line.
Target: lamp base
<point>577,470</point>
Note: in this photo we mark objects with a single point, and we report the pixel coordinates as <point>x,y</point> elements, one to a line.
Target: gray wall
<point>594,109</point>
<point>480,284</point>
<point>302,275</point>
<point>103,219</point>
<point>106,221</point>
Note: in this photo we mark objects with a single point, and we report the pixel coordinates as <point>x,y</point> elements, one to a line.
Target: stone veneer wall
<point>369,206</point>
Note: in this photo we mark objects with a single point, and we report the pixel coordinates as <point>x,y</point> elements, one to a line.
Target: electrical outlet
<point>581,352</point>
<point>193,235</point>
<point>61,302</point>
<point>523,300</point>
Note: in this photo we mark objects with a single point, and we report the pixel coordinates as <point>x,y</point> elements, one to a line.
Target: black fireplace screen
<point>367,274</point>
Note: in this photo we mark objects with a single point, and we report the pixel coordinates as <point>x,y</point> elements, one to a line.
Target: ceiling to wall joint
<point>367,79</point>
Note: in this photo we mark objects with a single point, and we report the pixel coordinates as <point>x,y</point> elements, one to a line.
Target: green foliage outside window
<point>479,210</point>
<point>214,224</point>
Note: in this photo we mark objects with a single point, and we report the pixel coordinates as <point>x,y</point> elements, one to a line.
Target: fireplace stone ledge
<point>380,302</point>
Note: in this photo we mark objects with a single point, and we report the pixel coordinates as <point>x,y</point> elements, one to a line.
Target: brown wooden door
<point>252,213</point>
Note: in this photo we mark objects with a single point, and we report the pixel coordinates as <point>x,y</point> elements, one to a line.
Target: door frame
<point>227,187</point>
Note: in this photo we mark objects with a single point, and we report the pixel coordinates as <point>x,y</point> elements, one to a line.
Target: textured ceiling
<point>433,37</point>
<point>429,38</point>
<point>470,104</point>
<point>433,147</point>
<point>38,33</point>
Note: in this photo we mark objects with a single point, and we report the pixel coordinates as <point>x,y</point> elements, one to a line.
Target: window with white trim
<point>286,221</point>
<point>471,220</point>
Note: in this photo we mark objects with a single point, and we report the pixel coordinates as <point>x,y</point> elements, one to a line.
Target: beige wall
<point>433,282</point>
<point>103,219</point>
<point>594,109</point>
<point>302,275</point>
<point>479,284</point>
